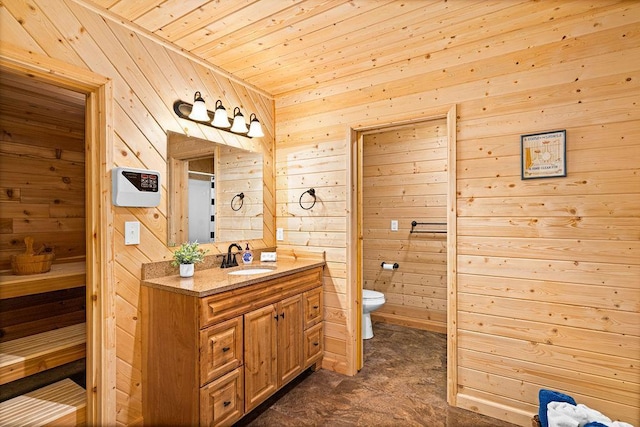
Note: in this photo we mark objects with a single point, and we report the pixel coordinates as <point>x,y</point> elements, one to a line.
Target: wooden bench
<point>62,404</point>
<point>61,276</point>
<point>28,355</point>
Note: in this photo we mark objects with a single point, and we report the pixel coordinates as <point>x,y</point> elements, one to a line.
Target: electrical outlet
<point>394,225</point>
<point>267,257</point>
<point>131,233</point>
<point>279,234</point>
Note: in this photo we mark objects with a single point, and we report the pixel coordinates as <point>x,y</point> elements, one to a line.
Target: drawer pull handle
<point>225,349</point>
<point>226,403</point>
<point>316,307</point>
<point>316,344</point>
<point>282,315</point>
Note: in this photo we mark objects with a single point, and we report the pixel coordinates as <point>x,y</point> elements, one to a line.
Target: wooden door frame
<point>101,319</point>
<point>354,239</point>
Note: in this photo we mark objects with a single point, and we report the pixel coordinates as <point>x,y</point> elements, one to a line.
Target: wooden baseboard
<point>395,319</point>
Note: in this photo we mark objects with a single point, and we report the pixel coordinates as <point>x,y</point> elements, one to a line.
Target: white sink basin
<point>250,271</point>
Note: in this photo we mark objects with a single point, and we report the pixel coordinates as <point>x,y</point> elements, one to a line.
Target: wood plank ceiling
<point>285,46</point>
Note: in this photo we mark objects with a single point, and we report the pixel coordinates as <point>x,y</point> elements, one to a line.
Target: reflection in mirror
<point>202,201</point>
<point>239,172</point>
<point>204,178</point>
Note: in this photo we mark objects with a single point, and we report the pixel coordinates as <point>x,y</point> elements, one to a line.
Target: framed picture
<point>544,155</point>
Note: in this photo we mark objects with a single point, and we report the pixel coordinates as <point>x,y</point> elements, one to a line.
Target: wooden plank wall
<point>42,169</point>
<point>547,270</point>
<point>147,78</point>
<point>239,173</point>
<point>405,179</point>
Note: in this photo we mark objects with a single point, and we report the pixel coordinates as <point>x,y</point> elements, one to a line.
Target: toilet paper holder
<point>389,266</point>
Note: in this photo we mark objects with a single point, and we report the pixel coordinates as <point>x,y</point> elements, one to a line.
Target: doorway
<point>100,292</point>
<point>404,219</point>
<point>365,208</point>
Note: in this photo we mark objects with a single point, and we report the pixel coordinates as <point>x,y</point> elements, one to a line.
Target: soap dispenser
<point>247,255</point>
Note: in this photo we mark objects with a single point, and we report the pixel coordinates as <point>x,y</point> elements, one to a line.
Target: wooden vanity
<point>216,345</point>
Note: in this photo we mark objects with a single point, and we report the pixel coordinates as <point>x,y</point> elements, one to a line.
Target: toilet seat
<point>369,295</point>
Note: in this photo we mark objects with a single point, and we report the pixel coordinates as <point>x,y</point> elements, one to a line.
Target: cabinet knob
<point>226,403</point>
<point>316,307</point>
<point>316,344</point>
<point>225,349</point>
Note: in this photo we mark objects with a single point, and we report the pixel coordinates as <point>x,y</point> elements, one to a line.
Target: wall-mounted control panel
<point>138,188</point>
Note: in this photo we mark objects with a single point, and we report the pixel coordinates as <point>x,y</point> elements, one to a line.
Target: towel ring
<point>241,196</point>
<point>312,193</point>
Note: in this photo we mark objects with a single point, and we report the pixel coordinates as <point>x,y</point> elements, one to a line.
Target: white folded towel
<point>563,414</point>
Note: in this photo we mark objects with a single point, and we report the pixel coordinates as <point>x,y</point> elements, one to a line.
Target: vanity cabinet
<point>209,360</point>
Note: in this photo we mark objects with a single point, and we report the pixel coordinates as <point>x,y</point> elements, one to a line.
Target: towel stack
<point>560,410</point>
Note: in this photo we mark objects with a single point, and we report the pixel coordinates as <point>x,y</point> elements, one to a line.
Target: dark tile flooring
<point>403,383</point>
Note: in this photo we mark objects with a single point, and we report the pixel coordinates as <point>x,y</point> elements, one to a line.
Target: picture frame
<point>543,155</point>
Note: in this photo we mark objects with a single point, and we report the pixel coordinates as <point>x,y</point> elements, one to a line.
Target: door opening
<point>404,173</point>
<point>100,292</point>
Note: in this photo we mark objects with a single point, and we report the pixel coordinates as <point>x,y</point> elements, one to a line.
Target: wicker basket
<point>30,262</point>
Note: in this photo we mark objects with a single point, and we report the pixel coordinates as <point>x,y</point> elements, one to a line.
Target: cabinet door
<point>260,378</point>
<point>220,349</point>
<point>221,401</point>
<point>312,301</point>
<point>290,351</point>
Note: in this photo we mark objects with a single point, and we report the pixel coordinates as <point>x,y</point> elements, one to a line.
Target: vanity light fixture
<point>220,118</point>
<point>198,112</point>
<point>255,129</point>
<point>199,109</point>
<point>239,125</point>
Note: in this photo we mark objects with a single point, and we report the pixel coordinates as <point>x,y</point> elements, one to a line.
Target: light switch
<point>394,225</point>
<point>279,234</point>
<point>131,233</point>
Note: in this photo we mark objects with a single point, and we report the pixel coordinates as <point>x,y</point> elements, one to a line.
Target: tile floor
<point>403,383</point>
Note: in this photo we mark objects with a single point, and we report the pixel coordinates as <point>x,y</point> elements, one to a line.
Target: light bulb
<point>199,109</point>
<point>220,118</point>
<point>239,125</point>
<point>255,129</point>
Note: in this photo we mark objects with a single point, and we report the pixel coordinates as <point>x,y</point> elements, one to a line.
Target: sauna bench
<point>61,276</point>
<point>215,346</point>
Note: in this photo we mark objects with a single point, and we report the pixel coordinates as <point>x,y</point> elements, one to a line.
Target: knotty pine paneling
<point>147,78</point>
<point>546,269</point>
<point>42,168</point>
<point>404,179</point>
<point>239,173</point>
<point>539,66</point>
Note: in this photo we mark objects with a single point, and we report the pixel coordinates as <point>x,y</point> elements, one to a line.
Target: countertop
<point>216,280</point>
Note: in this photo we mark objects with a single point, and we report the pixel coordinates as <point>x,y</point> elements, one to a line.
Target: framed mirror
<point>215,192</point>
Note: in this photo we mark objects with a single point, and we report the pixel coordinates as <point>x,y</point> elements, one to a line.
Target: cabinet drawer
<point>312,302</point>
<point>220,349</point>
<point>313,339</point>
<point>227,305</point>
<point>221,402</point>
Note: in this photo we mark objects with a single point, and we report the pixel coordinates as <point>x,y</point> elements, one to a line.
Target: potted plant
<point>186,256</point>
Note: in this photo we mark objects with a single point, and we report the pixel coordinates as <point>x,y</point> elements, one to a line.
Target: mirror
<point>215,192</point>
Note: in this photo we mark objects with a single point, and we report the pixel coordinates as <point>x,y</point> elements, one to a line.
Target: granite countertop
<point>216,280</point>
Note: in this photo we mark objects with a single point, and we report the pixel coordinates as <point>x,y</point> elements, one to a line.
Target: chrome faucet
<point>228,260</point>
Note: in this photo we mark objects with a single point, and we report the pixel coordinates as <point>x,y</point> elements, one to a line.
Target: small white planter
<point>186,270</point>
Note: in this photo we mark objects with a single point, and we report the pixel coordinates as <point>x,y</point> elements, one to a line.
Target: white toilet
<point>371,301</point>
